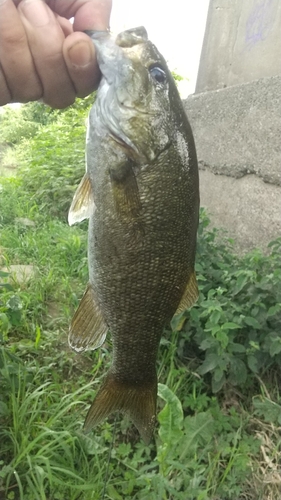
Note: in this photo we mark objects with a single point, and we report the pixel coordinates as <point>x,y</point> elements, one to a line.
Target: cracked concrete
<point>247,207</point>
<point>236,119</point>
<point>237,130</point>
<point>237,135</point>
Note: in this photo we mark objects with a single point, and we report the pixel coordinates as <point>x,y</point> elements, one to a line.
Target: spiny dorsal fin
<point>190,295</point>
<point>88,328</point>
<point>82,205</point>
<point>135,400</point>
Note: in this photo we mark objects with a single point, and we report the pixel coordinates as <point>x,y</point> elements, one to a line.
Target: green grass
<point>206,447</point>
<point>219,406</point>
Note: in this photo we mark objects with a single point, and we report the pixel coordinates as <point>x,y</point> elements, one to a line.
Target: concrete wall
<point>242,43</point>
<point>237,133</point>
<point>238,129</point>
<point>235,115</point>
<point>247,208</point>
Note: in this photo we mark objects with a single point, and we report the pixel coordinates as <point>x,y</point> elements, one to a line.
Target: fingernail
<point>80,54</point>
<point>36,12</point>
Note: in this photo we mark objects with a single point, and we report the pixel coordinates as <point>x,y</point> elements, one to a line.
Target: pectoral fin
<point>82,205</point>
<point>126,197</point>
<point>190,295</point>
<point>88,328</point>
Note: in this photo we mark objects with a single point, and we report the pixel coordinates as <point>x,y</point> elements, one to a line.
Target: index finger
<point>88,14</point>
<point>78,49</point>
<point>18,77</point>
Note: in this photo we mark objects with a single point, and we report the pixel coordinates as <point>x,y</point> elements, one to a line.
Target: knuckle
<point>59,101</point>
<point>5,98</point>
<point>34,95</point>
<point>83,92</point>
<point>30,90</point>
<point>13,41</point>
<point>5,94</point>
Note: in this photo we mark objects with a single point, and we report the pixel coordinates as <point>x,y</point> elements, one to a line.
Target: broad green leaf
<point>273,310</point>
<point>215,317</point>
<point>249,320</point>
<point>217,383</point>
<point>270,410</point>
<point>240,283</point>
<point>238,371</point>
<point>255,345</point>
<point>6,286</point>
<point>4,274</point>
<point>275,346</point>
<point>211,361</point>
<point>113,493</point>
<point>230,326</point>
<point>252,363</point>
<point>14,303</point>
<point>4,323</point>
<point>198,430</point>
<point>223,338</point>
<point>207,343</point>
<point>237,347</point>
<point>214,329</point>
<point>171,417</point>
<point>218,374</point>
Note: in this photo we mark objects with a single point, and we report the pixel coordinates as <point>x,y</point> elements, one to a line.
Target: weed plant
<point>218,431</point>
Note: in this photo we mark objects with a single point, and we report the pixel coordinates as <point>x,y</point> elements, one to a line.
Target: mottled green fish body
<point>141,194</point>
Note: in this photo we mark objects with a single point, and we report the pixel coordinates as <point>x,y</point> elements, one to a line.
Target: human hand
<point>43,56</point>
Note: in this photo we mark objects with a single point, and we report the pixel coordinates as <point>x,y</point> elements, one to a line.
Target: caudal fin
<point>138,401</point>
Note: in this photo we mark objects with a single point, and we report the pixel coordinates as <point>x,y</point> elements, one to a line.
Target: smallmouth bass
<point>141,195</point>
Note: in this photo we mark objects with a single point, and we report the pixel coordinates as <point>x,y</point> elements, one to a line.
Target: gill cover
<point>133,104</point>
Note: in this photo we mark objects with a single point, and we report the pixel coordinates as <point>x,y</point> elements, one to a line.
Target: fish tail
<point>138,401</point>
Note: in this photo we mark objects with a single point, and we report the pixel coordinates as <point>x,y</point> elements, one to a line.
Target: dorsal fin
<point>190,295</point>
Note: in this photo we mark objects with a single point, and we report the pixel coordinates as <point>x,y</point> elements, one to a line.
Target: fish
<point>141,195</point>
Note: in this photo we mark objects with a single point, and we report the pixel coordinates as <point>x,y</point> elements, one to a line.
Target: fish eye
<point>158,74</point>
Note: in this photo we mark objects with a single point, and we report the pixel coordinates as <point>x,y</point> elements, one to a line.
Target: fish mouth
<point>123,100</point>
<point>97,33</point>
<point>110,48</point>
<point>125,39</point>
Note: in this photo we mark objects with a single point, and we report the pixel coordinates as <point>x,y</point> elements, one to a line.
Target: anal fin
<point>82,205</point>
<point>88,328</point>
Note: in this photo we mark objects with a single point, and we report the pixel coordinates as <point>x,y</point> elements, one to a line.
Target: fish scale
<point>141,195</point>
